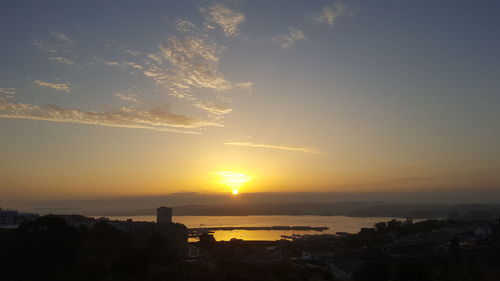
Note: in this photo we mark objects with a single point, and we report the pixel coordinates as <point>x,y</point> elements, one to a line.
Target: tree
<point>393,225</point>
<point>47,246</point>
<point>373,272</point>
<point>381,227</point>
<point>207,240</point>
<point>131,265</point>
<point>410,272</point>
<point>157,247</point>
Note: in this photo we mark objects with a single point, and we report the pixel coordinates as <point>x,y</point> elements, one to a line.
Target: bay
<point>334,223</point>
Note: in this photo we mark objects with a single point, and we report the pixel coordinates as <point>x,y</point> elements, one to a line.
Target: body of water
<point>334,223</point>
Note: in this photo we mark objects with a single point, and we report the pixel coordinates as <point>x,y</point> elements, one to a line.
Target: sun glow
<point>233,180</point>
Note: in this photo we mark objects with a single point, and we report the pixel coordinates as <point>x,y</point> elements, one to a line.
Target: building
<point>8,218</point>
<point>25,217</point>
<point>164,215</point>
<point>11,218</point>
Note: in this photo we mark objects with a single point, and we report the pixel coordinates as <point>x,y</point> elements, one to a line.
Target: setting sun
<point>233,180</point>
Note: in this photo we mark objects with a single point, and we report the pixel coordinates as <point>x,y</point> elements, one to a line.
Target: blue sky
<point>299,95</point>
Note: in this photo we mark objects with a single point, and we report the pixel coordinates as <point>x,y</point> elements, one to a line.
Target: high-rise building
<point>163,215</point>
<point>8,217</point>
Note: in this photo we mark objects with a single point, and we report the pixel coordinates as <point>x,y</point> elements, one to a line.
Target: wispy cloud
<point>122,64</point>
<point>330,13</point>
<point>277,146</point>
<point>216,107</point>
<point>128,97</point>
<point>244,85</point>
<point>227,19</point>
<point>63,87</point>
<point>286,40</point>
<point>57,47</point>
<point>62,60</point>
<point>188,67</point>
<point>194,63</point>
<point>186,64</point>
<point>45,47</point>
<point>62,37</point>
<point>187,26</point>
<point>157,118</point>
<point>133,52</point>
<point>7,93</point>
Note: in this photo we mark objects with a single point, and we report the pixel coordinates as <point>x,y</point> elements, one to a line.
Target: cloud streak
<point>157,117</point>
<point>330,13</point>
<point>194,63</point>
<point>186,65</point>
<point>58,48</point>
<point>244,85</point>
<point>62,60</point>
<point>122,65</point>
<point>287,40</point>
<point>305,149</point>
<point>63,87</point>
<point>215,107</point>
<point>227,19</point>
<point>62,37</point>
<point>7,93</point>
<point>128,97</point>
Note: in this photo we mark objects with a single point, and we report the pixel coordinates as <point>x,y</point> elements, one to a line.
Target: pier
<point>194,232</point>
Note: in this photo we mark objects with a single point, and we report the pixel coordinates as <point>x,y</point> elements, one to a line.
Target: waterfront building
<point>164,215</point>
<point>8,217</point>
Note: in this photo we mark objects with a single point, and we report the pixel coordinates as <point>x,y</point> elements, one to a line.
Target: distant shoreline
<point>347,209</point>
<point>268,215</point>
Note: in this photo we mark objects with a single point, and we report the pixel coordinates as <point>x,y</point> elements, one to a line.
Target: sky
<point>142,98</point>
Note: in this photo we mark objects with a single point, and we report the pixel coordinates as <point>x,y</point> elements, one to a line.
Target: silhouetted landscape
<point>71,247</point>
<point>351,209</point>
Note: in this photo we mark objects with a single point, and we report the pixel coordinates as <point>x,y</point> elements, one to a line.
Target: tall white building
<point>163,215</point>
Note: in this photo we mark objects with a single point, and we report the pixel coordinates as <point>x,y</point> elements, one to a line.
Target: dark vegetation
<point>425,256</point>
<point>49,249</point>
<point>431,250</point>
